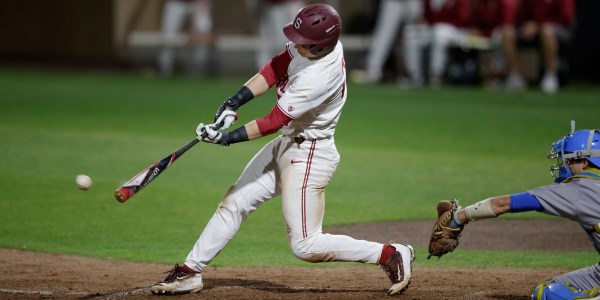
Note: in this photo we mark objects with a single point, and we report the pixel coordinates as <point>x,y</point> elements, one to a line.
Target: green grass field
<point>402,151</point>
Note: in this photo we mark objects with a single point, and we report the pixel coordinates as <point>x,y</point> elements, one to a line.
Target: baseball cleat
<point>399,268</point>
<point>179,281</point>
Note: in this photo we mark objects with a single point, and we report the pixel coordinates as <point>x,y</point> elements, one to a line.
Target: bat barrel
<point>142,179</point>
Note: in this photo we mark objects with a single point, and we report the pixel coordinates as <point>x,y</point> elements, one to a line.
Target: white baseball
<point>83,182</point>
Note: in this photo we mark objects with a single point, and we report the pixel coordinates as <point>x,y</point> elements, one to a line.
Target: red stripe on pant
<point>304,185</point>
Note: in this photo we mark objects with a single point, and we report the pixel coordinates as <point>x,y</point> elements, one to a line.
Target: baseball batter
<point>310,79</point>
<point>575,196</point>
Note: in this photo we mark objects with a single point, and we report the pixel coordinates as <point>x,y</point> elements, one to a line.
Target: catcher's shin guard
<point>551,290</point>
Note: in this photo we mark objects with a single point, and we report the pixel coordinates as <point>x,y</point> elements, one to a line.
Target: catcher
<point>575,196</point>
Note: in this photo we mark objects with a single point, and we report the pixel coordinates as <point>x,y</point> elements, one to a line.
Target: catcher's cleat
<point>179,281</point>
<point>399,268</point>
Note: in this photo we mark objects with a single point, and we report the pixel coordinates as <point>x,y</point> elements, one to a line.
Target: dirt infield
<point>31,275</point>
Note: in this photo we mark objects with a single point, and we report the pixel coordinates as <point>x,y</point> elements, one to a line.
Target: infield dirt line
<point>11,291</point>
<point>295,289</point>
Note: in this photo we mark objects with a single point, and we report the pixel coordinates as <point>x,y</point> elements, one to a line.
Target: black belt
<point>299,139</point>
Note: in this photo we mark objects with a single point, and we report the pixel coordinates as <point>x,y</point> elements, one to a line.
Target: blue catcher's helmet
<point>575,145</point>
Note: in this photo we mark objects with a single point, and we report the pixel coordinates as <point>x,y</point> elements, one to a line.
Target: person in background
<point>495,20</point>
<point>445,23</point>
<point>551,23</point>
<point>391,16</point>
<point>272,16</point>
<point>175,13</point>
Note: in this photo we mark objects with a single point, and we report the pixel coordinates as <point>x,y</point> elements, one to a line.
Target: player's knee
<point>551,290</point>
<point>303,255</point>
<point>228,204</point>
<point>302,250</point>
<point>547,30</point>
<point>305,250</point>
<point>230,208</point>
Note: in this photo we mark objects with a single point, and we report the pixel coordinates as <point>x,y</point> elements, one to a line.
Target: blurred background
<point>131,35</point>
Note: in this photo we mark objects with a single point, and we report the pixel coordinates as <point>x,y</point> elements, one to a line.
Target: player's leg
<point>200,39</point>
<point>306,170</point>
<point>509,51</point>
<point>416,37</point>
<point>413,11</point>
<point>172,22</point>
<point>202,21</point>
<point>273,17</point>
<point>444,35</point>
<point>269,36</point>
<point>256,185</point>
<point>583,281</point>
<point>549,45</point>
<point>580,284</point>
<point>384,35</point>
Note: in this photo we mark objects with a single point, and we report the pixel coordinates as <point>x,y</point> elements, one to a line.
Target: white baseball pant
<point>299,172</point>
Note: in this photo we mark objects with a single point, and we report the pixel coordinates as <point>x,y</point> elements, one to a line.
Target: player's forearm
<point>257,84</point>
<point>245,133</point>
<point>485,209</point>
<point>252,130</point>
<point>255,87</point>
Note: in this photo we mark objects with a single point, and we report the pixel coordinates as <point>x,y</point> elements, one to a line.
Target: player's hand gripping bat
<point>144,178</point>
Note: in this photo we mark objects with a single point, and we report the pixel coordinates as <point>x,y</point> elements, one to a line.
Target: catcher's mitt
<point>444,239</point>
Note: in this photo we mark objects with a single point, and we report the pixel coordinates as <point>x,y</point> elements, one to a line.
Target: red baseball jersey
<point>547,11</point>
<point>455,12</point>
<point>490,14</point>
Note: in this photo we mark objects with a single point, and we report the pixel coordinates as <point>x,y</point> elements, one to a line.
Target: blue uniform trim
<point>524,202</point>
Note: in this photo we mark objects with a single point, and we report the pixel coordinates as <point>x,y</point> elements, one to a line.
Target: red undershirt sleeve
<point>276,69</point>
<point>272,122</point>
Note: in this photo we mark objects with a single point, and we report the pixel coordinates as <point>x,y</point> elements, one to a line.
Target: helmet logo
<point>297,23</point>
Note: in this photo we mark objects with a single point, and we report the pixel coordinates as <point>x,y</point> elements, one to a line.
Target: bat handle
<point>227,121</point>
<point>185,148</point>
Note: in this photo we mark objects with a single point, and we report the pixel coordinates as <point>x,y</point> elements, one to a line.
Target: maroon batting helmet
<point>317,25</point>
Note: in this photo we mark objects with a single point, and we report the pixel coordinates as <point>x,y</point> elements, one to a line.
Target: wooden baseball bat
<point>144,178</point>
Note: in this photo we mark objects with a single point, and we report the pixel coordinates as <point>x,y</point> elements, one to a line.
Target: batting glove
<point>225,120</point>
<point>208,134</point>
<point>229,105</point>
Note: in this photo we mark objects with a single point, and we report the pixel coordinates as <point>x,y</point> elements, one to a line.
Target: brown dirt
<point>31,275</point>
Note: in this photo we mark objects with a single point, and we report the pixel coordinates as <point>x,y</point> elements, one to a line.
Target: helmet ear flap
<point>595,148</point>
<point>323,47</point>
